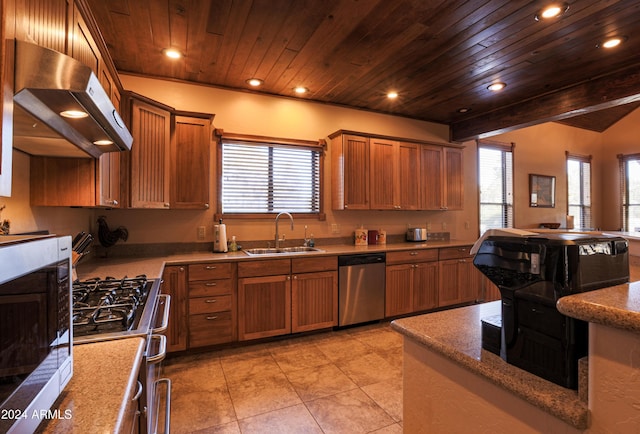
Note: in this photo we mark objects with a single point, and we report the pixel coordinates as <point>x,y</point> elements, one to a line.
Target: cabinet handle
<point>166,205</point>
<point>211,318</point>
<point>414,253</point>
<point>211,300</point>
<point>210,284</point>
<point>295,277</point>
<point>288,277</point>
<point>462,260</point>
<point>181,269</point>
<point>206,205</point>
<point>210,267</point>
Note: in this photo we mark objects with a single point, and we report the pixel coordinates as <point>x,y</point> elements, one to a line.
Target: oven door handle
<point>167,404</point>
<point>165,301</point>
<point>162,349</point>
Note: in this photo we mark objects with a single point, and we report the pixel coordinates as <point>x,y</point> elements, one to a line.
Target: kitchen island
<point>451,384</point>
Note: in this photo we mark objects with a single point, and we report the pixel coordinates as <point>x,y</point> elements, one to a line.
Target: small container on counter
<point>382,236</point>
<point>372,236</point>
<point>233,246</point>
<point>361,236</point>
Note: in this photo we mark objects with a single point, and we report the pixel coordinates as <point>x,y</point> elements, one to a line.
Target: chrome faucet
<point>277,233</point>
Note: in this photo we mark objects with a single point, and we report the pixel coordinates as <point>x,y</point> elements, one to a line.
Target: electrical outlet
<point>201,232</point>
<point>428,226</point>
<point>466,225</point>
<point>444,225</point>
<point>335,228</point>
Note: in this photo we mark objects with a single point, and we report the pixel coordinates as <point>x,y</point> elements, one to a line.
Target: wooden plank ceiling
<point>439,55</point>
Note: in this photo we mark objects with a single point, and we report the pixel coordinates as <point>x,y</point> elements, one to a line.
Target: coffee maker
<point>532,273</point>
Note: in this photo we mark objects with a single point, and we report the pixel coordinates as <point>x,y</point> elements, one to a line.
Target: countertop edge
<point>558,401</point>
<point>616,306</point>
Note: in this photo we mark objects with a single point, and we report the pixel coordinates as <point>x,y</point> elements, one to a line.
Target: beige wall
<point>540,149</point>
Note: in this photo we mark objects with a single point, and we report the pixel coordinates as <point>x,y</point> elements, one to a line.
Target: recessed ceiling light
<point>495,87</point>
<point>612,42</point>
<point>300,90</point>
<point>73,114</point>
<point>172,53</point>
<point>554,10</point>
<point>255,82</point>
<point>392,95</point>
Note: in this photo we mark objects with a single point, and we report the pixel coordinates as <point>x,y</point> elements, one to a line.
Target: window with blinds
<point>259,177</point>
<point>630,192</point>
<point>579,190</point>
<point>495,172</point>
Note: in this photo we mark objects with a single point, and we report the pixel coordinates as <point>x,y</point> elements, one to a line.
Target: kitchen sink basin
<point>280,251</point>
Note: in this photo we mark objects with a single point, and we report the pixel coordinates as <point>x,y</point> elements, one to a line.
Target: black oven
<point>36,355</point>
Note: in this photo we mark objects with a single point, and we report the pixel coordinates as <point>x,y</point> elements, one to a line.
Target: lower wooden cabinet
<point>314,301</point>
<point>411,282</point>
<point>459,281</point>
<point>265,306</point>
<point>212,304</point>
<point>174,283</point>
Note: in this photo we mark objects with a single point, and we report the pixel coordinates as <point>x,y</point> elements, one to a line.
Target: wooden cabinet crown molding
<point>394,138</point>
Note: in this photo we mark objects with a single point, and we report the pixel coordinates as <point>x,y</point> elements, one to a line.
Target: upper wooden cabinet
<point>386,174</point>
<point>349,171</point>
<point>150,155</point>
<point>190,155</point>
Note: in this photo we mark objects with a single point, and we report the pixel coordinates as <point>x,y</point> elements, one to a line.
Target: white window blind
<point>269,178</point>
<point>579,190</point>
<point>495,171</point>
<point>630,192</point>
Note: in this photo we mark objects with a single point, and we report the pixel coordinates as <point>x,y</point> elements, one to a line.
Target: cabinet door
<point>175,284</point>
<point>62,181</point>
<point>83,47</point>
<point>43,22</point>
<point>264,307</point>
<point>108,180</point>
<point>408,180</point>
<point>190,150</point>
<point>314,301</point>
<point>150,156</point>
<point>460,282</point>
<point>425,286</point>
<point>454,184</point>
<point>431,174</point>
<point>351,173</point>
<point>383,166</point>
<point>399,289</point>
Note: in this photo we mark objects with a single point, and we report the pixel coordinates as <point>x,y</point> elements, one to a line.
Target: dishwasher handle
<point>367,258</point>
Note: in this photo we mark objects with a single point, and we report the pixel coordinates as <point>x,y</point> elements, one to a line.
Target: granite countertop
<point>616,306</point>
<point>153,266</point>
<point>104,375</point>
<point>462,344</point>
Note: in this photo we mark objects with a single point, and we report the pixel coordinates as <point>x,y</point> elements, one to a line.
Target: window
<point>266,176</point>
<point>579,189</point>
<point>630,190</point>
<point>495,170</point>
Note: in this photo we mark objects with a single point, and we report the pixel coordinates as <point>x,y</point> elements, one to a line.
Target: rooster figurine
<point>108,237</point>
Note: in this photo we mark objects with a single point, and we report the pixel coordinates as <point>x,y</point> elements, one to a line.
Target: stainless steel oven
<point>110,308</point>
<point>36,354</point>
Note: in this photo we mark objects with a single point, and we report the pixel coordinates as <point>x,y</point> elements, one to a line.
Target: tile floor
<point>346,381</point>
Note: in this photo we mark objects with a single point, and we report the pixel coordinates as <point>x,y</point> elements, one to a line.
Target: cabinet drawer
<point>314,263</point>
<point>417,255</point>
<point>210,329</point>
<point>272,267</point>
<point>462,252</point>
<point>211,287</point>
<point>209,304</point>
<point>217,270</point>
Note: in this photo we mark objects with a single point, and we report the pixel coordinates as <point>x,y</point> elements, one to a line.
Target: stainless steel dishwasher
<point>361,288</point>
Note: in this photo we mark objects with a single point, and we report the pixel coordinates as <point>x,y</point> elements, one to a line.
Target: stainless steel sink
<point>280,251</point>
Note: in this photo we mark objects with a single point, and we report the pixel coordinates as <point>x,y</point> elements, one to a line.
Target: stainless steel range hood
<point>48,83</point>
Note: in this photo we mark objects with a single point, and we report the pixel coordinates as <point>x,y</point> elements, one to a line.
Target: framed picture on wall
<point>542,191</point>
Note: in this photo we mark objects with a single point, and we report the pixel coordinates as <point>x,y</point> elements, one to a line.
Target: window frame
<point>319,146</point>
<point>581,159</point>
<point>503,147</point>
<point>624,191</point>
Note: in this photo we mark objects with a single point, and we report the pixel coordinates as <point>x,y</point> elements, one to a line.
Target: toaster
<point>417,234</point>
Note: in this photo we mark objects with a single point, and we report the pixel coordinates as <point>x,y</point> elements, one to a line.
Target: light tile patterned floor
<point>346,381</point>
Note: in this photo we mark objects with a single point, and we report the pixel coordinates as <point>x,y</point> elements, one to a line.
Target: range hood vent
<point>48,83</point>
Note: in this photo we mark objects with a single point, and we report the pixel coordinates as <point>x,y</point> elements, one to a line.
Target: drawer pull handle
<point>414,253</point>
<point>211,301</point>
<point>211,318</point>
<point>210,284</point>
<point>210,267</point>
